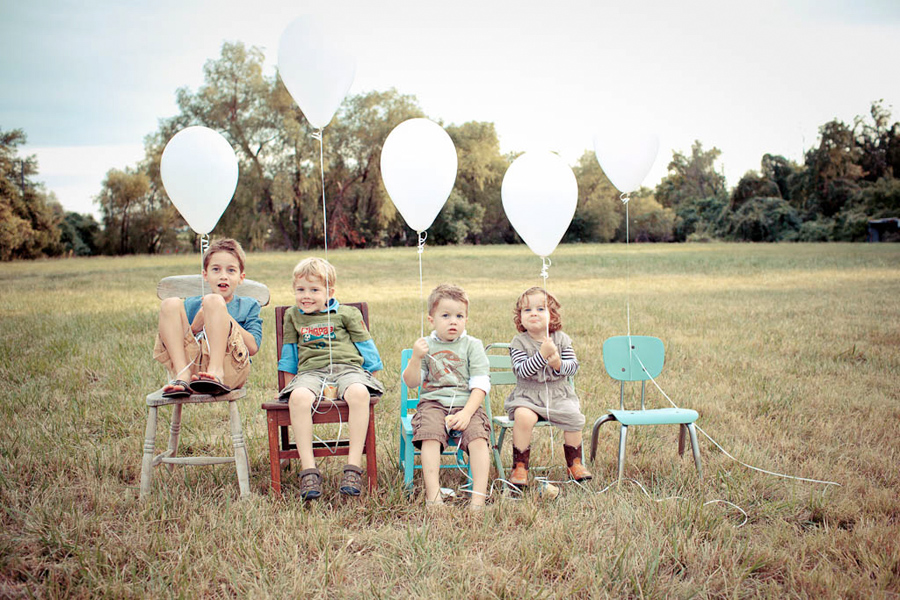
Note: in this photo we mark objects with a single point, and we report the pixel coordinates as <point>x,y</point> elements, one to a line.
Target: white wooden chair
<point>183,286</point>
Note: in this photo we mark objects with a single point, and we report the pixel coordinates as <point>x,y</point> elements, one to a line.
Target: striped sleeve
<point>569,364</point>
<point>523,366</point>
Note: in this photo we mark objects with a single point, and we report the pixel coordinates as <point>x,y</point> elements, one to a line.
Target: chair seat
<point>658,416</point>
<point>505,422</point>
<point>156,398</point>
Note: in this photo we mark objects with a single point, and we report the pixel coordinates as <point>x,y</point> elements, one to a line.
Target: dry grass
<point>789,352</point>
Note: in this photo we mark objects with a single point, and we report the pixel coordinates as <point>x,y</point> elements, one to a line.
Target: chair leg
<point>274,462</point>
<point>174,432</point>
<point>241,460</point>
<point>371,462</point>
<point>149,447</point>
<point>682,428</point>
<point>695,448</point>
<point>498,456</point>
<point>595,434</point>
<point>408,464</point>
<point>623,434</point>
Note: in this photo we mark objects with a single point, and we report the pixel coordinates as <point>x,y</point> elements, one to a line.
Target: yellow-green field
<point>790,353</point>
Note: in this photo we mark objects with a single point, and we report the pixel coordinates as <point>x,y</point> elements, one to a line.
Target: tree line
<point>845,181</point>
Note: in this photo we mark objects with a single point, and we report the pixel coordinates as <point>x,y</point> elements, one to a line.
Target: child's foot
<point>176,388</point>
<point>310,484</point>
<point>205,383</point>
<point>351,482</point>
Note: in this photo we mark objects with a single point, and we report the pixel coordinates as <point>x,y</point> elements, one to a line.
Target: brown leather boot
<point>519,475</point>
<point>577,471</point>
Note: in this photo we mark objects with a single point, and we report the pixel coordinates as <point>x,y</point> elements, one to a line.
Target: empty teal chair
<point>408,452</point>
<point>639,358</point>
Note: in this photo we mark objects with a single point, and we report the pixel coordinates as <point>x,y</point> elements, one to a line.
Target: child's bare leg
<point>480,461</point>
<point>217,324</point>
<point>523,426</point>
<point>572,438</point>
<point>431,468</point>
<point>173,324</point>
<point>300,406</point>
<point>357,397</point>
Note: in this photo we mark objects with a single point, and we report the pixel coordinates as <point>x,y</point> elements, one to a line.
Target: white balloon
<point>540,193</point>
<point>626,155</point>
<point>418,167</point>
<point>316,68</point>
<point>200,172</point>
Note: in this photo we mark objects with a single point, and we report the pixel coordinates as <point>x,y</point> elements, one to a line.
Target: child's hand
<point>420,349</point>
<point>458,421</point>
<point>551,353</point>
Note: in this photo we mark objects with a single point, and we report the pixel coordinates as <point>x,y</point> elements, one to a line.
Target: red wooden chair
<point>278,419</point>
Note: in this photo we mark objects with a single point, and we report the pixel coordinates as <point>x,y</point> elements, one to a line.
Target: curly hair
<point>552,305</point>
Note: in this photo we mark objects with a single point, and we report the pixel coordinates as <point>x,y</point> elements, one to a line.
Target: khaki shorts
<point>339,376</point>
<point>196,349</point>
<point>428,424</point>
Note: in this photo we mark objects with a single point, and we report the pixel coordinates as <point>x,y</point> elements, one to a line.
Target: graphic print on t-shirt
<point>315,335</point>
<point>443,371</point>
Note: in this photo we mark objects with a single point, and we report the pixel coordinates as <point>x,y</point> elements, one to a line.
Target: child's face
<point>449,319</point>
<point>535,315</point>
<point>223,274</point>
<point>311,294</point>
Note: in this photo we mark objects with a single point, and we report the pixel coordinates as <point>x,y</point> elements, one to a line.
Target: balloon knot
<point>545,263</point>
<point>204,243</point>
<point>423,235</point>
<point>317,134</point>
<point>624,198</point>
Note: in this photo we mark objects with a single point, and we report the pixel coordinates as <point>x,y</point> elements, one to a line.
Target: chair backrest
<point>283,377</point>
<point>183,286</point>
<point>623,357</point>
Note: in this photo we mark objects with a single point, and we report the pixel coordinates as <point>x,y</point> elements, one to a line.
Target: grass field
<point>790,353</point>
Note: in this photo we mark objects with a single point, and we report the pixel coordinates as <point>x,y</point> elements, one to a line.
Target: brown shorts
<point>428,424</point>
<point>196,349</point>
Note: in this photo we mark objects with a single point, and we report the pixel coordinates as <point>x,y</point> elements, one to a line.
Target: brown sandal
<point>310,484</point>
<point>351,482</point>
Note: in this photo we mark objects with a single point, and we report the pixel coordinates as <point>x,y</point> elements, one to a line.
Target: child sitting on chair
<point>543,360</point>
<point>454,373</point>
<point>206,341</point>
<point>326,344</point>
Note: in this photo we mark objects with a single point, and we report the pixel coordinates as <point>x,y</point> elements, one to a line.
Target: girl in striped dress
<point>543,361</point>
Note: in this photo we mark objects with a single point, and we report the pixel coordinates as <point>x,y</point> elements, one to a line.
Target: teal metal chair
<point>408,452</point>
<point>639,358</point>
<point>502,374</point>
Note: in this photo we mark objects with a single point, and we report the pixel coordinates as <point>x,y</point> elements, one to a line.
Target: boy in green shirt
<point>326,344</point>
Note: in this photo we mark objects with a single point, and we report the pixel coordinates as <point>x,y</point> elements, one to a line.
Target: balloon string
<point>318,135</point>
<point>625,198</point>
<point>204,246</point>
<point>420,248</point>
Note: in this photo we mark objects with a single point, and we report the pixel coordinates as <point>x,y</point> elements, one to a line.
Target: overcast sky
<point>88,79</point>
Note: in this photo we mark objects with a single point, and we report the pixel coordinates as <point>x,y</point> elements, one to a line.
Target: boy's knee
<point>357,394</point>
<point>213,302</point>
<point>171,306</point>
<point>300,399</point>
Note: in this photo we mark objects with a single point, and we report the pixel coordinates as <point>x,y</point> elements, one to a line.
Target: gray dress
<point>546,392</point>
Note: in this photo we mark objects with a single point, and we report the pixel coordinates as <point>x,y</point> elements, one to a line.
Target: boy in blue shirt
<point>205,342</point>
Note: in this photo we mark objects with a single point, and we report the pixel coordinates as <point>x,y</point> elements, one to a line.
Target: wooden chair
<point>639,358</point>
<point>278,419</point>
<point>408,452</point>
<point>183,286</point>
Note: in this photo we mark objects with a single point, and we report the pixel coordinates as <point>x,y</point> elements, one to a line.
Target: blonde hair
<point>228,245</point>
<point>552,305</point>
<point>315,268</point>
<point>447,291</point>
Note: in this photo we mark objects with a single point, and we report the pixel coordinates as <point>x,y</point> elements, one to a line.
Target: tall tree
<point>29,217</point>
<point>691,177</point>
<point>135,219</point>
<point>600,212</point>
